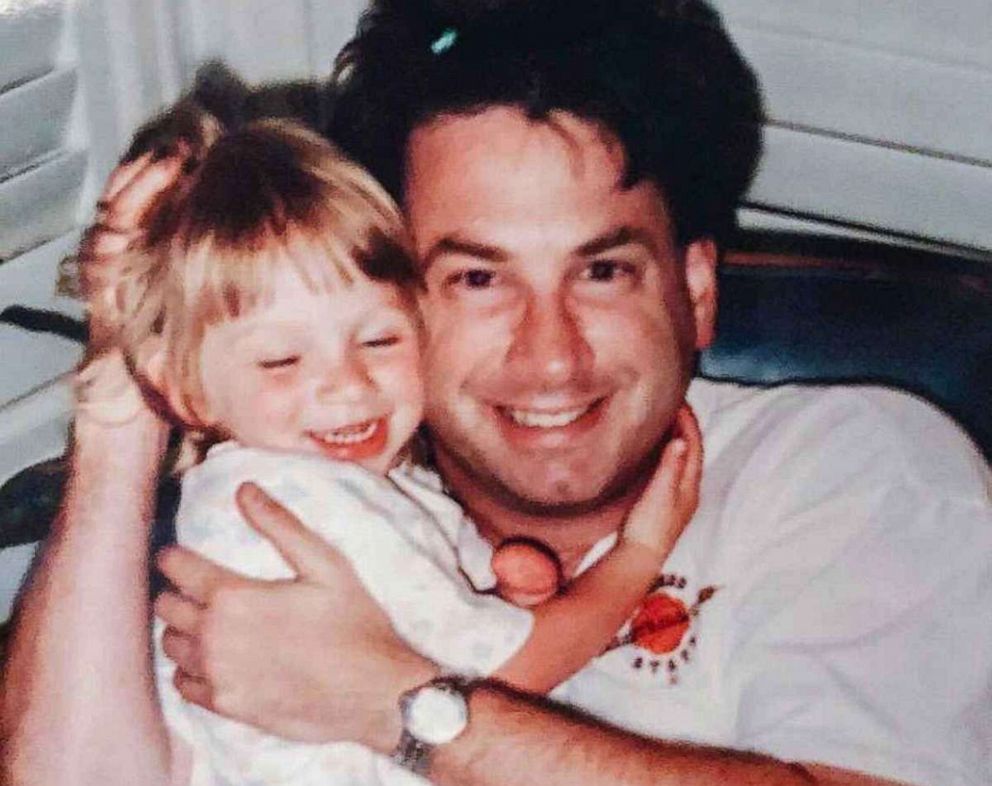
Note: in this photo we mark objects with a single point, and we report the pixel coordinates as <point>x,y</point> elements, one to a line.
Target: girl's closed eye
<point>278,362</point>
<point>383,332</point>
<point>382,340</point>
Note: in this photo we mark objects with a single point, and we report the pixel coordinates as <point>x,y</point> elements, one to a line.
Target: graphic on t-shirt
<point>660,631</point>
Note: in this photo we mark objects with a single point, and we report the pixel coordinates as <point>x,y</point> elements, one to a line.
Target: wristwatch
<point>433,714</point>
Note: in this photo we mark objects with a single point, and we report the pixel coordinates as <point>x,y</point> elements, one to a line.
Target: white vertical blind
<point>76,78</point>
<point>40,178</point>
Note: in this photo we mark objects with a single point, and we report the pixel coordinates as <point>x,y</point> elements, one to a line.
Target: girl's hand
<point>106,392</point>
<point>526,573</point>
<point>131,190</point>
<point>671,497</point>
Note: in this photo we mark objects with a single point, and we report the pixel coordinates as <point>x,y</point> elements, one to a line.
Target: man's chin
<point>568,496</point>
<point>551,507</point>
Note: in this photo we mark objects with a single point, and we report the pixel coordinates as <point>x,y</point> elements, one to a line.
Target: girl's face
<point>332,373</point>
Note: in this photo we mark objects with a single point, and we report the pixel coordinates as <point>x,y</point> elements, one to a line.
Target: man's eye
<point>606,270</point>
<point>477,278</point>
<point>382,341</point>
<point>281,362</point>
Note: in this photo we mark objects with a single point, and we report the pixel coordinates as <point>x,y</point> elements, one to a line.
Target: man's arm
<point>224,623</point>
<point>512,737</point>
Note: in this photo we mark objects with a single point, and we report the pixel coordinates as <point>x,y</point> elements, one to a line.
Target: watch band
<point>412,751</point>
<point>413,754</point>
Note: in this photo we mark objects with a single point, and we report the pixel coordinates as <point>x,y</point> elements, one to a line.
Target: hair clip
<point>445,41</point>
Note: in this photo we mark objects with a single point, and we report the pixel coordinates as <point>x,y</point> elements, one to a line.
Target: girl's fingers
<point>131,190</point>
<point>136,190</point>
<point>672,495</point>
<point>662,490</point>
<point>656,520</point>
<point>120,177</point>
<point>527,573</point>
<point>687,429</point>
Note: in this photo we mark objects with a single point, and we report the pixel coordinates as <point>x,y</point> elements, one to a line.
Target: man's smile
<point>548,428</point>
<point>541,418</point>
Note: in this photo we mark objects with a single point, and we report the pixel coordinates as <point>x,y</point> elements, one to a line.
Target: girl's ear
<point>150,364</point>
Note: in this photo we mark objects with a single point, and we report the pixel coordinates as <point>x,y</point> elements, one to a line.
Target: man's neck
<point>570,535</point>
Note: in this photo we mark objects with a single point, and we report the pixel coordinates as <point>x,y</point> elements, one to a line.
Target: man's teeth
<point>349,435</point>
<point>532,419</point>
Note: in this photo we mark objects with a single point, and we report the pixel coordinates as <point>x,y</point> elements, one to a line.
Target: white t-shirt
<point>399,535</point>
<point>831,600</point>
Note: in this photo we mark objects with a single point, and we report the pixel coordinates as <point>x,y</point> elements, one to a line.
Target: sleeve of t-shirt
<point>862,635</point>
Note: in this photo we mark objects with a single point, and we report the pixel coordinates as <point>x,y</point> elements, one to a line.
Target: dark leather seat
<point>794,309</point>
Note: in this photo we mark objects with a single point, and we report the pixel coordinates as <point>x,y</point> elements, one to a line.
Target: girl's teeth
<point>349,435</point>
<point>532,419</point>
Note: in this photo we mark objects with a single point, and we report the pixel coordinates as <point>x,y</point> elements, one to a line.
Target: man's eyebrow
<point>615,238</point>
<point>452,244</point>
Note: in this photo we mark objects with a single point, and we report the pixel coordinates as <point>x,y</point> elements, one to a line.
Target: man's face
<point>561,317</point>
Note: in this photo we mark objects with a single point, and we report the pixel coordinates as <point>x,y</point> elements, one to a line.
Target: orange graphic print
<point>661,629</point>
<point>660,623</point>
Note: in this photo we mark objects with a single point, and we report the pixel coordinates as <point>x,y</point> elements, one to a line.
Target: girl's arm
<point>577,625</point>
<point>78,703</point>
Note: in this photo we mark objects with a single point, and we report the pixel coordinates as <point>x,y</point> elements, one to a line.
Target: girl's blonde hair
<point>266,198</point>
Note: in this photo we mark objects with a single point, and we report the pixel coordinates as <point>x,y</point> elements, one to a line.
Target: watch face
<point>437,715</point>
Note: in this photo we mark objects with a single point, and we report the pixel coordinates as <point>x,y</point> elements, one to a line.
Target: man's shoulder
<point>891,431</point>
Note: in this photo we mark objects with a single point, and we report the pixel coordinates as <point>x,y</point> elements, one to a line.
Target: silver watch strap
<point>412,752</point>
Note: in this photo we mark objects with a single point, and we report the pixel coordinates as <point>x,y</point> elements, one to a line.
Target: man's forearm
<point>515,740</point>
<point>78,702</point>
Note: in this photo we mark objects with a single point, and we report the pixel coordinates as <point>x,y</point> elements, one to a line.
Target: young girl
<point>270,310</point>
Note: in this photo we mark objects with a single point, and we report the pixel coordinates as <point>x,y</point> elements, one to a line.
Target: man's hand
<point>312,658</point>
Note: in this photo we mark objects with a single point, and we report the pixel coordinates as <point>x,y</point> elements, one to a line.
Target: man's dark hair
<point>662,76</point>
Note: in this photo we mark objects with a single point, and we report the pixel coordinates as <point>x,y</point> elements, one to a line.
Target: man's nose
<point>346,378</point>
<point>549,346</point>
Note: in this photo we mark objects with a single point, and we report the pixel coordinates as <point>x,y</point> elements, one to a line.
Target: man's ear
<point>700,276</point>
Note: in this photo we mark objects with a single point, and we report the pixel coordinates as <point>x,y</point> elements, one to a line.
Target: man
<point>567,170</point>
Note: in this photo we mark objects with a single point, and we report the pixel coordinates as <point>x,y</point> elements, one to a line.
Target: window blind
<point>878,114</point>
<point>41,178</point>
